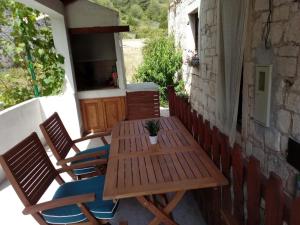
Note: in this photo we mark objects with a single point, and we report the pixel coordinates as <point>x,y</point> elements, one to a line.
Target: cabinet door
<point>93,115</point>
<point>114,110</point>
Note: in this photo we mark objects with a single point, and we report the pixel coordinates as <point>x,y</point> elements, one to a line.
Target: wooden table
<point>176,164</point>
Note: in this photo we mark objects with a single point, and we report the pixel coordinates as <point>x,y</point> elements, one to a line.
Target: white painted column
<point>120,61</point>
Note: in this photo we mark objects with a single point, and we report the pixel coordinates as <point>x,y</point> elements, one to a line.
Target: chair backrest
<point>57,136</point>
<point>142,105</point>
<point>28,169</point>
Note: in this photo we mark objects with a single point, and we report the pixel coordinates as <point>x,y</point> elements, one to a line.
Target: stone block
<point>287,66</point>
<point>284,121</point>
<point>256,36</point>
<point>215,67</point>
<point>211,105</point>
<point>296,126</point>
<point>292,102</point>
<point>278,165</point>
<point>249,73</point>
<point>279,94</point>
<point>284,143</point>
<point>281,2</point>
<point>277,32</point>
<point>291,184</point>
<point>258,153</point>
<point>258,133</point>
<point>298,67</point>
<point>293,29</point>
<point>249,149</point>
<point>261,5</point>
<point>210,17</point>
<point>296,85</point>
<point>211,4</point>
<point>281,13</point>
<point>289,50</point>
<point>272,139</point>
<point>294,7</point>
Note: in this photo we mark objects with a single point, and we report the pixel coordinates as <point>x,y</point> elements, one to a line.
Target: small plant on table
<point>153,126</point>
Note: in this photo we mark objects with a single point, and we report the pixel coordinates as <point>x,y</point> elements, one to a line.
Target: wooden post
<point>295,210</point>
<point>238,184</point>
<point>274,201</point>
<point>253,191</point>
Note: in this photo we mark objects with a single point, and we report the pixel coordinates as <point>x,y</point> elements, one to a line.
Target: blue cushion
<point>71,214</point>
<point>87,170</point>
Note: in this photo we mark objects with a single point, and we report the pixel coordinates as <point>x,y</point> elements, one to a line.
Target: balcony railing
<point>19,121</point>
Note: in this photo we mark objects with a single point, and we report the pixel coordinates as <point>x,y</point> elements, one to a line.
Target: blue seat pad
<point>87,170</point>
<point>100,208</point>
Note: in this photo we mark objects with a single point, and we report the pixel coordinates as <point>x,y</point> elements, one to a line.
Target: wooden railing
<point>251,198</point>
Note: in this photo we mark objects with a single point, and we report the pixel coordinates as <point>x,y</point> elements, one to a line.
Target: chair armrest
<point>90,163</point>
<point>103,134</point>
<point>79,157</point>
<point>59,203</point>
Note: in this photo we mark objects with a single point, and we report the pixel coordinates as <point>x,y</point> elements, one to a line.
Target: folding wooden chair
<point>31,172</point>
<point>61,143</point>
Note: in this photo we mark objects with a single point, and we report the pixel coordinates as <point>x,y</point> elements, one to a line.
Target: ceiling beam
<point>67,1</point>
<point>93,30</point>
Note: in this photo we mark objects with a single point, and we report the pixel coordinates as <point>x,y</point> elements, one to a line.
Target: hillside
<point>145,17</point>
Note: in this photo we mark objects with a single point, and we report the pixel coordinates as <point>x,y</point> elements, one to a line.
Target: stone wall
<point>270,144</point>
<point>181,26</point>
<point>200,81</point>
<point>267,144</point>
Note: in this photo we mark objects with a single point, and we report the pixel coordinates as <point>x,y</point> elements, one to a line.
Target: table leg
<point>164,214</point>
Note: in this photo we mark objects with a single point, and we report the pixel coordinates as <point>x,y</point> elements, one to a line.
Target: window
<point>194,23</point>
<point>196,36</point>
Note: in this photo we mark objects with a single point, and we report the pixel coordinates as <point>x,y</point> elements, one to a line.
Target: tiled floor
<point>186,213</point>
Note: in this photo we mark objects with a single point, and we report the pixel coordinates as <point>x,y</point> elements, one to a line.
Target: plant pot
<point>153,140</point>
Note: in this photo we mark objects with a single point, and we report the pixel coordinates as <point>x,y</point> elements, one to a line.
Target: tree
<point>154,10</point>
<point>136,11</point>
<point>30,46</point>
<point>161,62</point>
<point>143,3</point>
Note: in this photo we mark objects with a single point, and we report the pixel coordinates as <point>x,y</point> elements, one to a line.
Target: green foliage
<point>153,126</point>
<point>15,87</point>
<point>139,14</point>
<point>161,62</point>
<point>136,11</point>
<point>153,10</point>
<point>28,40</point>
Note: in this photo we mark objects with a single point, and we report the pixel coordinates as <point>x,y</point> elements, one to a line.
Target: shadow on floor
<point>186,213</point>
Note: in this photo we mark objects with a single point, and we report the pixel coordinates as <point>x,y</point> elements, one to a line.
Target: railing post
<point>274,201</point>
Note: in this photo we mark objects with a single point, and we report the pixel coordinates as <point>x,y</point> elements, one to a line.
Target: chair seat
<point>100,208</point>
<point>87,170</point>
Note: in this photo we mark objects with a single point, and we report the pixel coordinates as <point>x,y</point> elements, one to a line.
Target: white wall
<point>18,122</point>
<point>93,15</point>
<point>66,106</point>
<point>120,61</point>
<point>83,13</point>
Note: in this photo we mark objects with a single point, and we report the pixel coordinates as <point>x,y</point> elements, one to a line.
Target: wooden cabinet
<point>102,114</point>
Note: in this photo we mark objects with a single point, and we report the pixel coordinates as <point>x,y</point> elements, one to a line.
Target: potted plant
<point>153,127</point>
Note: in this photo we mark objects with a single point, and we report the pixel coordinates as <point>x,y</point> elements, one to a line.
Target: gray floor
<point>186,213</point>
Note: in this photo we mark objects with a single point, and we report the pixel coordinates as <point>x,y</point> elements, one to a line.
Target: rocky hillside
<point>145,17</point>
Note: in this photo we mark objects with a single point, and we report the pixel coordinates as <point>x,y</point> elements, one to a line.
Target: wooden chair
<point>142,105</point>
<point>61,143</point>
<point>30,172</point>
